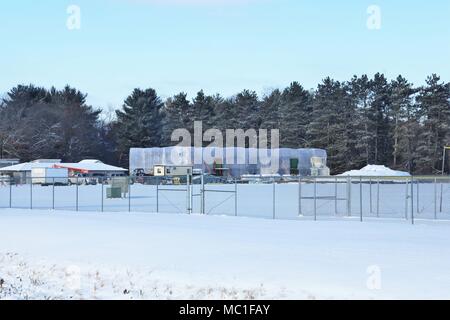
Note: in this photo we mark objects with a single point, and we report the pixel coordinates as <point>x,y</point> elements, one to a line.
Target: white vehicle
<point>82,179</point>
<point>50,176</point>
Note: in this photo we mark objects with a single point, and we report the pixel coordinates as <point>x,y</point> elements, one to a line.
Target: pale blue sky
<point>218,45</point>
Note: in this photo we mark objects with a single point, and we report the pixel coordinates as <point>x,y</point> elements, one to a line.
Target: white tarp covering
<point>236,161</point>
<point>87,165</point>
<point>26,166</point>
<point>90,165</point>
<point>375,171</point>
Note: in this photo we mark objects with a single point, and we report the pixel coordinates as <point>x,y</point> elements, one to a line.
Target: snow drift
<point>375,171</point>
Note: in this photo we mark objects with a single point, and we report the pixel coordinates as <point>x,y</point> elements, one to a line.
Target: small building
<point>22,172</point>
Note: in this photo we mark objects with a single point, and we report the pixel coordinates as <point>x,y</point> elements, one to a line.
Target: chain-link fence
<point>409,198</point>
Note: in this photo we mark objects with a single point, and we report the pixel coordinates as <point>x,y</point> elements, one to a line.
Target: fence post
<point>300,196</point>
<point>157,195</point>
<point>406,199</point>
<point>378,198</point>
<point>129,195</point>
<point>10,192</point>
<point>53,194</point>
<point>361,199</point>
<point>412,199</point>
<point>203,194</point>
<point>315,199</point>
<point>442,194</point>
<point>31,193</point>
<point>435,198</point>
<point>188,188</point>
<point>335,196</point>
<point>370,189</point>
<point>102,195</point>
<point>76,196</point>
<point>418,196</point>
<point>235,198</point>
<point>273,198</point>
<point>349,195</point>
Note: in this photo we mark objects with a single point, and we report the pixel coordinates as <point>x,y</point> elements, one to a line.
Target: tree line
<point>361,121</point>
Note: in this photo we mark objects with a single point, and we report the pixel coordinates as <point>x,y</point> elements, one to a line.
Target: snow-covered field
<point>48,254</point>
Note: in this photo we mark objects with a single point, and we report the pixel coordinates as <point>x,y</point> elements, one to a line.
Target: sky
<point>219,46</point>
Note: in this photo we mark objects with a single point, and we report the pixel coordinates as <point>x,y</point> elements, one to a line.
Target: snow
<point>143,255</point>
<point>26,166</point>
<point>87,165</point>
<point>90,166</point>
<point>254,200</point>
<point>375,171</point>
<point>90,161</point>
<point>67,255</point>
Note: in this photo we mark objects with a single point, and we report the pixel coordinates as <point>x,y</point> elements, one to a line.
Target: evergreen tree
<point>247,106</point>
<point>203,109</point>
<point>78,126</point>
<point>270,110</point>
<point>295,115</point>
<point>270,113</point>
<point>434,103</point>
<point>363,121</point>
<point>139,123</point>
<point>380,105</point>
<point>331,124</point>
<point>178,114</point>
<point>402,116</point>
<point>225,113</point>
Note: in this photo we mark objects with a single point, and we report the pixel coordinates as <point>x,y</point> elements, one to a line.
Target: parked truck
<point>50,176</point>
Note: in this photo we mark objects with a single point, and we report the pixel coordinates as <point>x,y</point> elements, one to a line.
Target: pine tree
<point>78,125</point>
<point>295,115</point>
<point>247,107</point>
<point>225,113</point>
<point>331,124</point>
<point>363,121</point>
<point>270,110</point>
<point>203,109</point>
<point>434,102</point>
<point>139,123</point>
<point>402,117</point>
<point>379,109</point>
<point>178,114</point>
<point>270,113</point>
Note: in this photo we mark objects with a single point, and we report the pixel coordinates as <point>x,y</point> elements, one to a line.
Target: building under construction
<point>233,162</point>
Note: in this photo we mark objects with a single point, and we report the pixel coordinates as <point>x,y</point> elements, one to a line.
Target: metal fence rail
<point>315,198</point>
